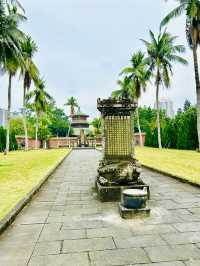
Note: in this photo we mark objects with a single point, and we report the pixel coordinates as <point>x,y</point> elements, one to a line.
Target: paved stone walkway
<point>66,225</point>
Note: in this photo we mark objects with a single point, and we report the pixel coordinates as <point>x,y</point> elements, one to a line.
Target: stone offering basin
<point>134,198</point>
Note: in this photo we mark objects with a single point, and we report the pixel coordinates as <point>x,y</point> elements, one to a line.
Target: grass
<point>20,171</point>
<point>184,164</point>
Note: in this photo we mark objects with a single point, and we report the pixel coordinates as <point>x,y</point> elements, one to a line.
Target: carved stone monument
<point>119,168</point>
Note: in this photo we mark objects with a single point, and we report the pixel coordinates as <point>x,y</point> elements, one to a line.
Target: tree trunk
<point>8,115</point>
<point>139,128</point>
<point>69,129</point>
<point>36,133</point>
<point>196,70</point>
<point>158,110</point>
<point>24,121</point>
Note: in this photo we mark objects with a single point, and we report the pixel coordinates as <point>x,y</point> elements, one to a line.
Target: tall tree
<point>140,75</point>
<point>29,72</point>
<point>10,50</point>
<point>11,67</point>
<point>39,100</point>
<point>162,53</point>
<point>125,91</point>
<point>72,103</point>
<point>191,8</point>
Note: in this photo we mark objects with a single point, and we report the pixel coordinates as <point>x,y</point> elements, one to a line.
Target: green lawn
<point>184,164</point>
<point>20,171</point>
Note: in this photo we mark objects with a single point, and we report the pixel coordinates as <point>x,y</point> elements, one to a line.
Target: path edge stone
<point>11,216</point>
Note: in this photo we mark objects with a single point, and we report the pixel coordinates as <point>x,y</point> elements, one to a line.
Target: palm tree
<point>29,72</point>
<point>140,75</point>
<point>11,67</point>
<point>15,3</point>
<point>162,52</point>
<point>40,99</point>
<point>125,91</point>
<point>192,10</point>
<point>72,102</point>
<point>10,51</point>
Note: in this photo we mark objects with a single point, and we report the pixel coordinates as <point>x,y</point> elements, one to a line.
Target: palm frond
<point>173,14</point>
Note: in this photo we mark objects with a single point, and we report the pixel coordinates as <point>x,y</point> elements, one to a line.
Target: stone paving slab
<point>65,224</point>
<point>61,260</point>
<point>83,245</point>
<point>171,263</point>
<point>173,252</point>
<point>118,257</point>
<point>193,263</point>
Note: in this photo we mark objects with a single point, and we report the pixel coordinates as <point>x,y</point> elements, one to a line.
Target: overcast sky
<point>83,44</point>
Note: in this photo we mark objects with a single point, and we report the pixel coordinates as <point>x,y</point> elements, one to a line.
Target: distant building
<point>80,123</point>
<point>3,117</point>
<point>167,105</point>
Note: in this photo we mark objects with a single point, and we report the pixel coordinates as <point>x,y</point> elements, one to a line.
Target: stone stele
<point>119,167</point>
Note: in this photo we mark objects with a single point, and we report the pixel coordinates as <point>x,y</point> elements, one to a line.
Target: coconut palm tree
<point>15,3</point>
<point>140,75</point>
<point>125,91</point>
<point>11,68</point>
<point>162,53</point>
<point>29,73</point>
<point>72,103</point>
<point>39,100</point>
<point>192,10</point>
<point>10,51</point>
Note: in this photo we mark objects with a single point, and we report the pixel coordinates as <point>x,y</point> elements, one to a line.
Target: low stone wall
<point>69,142</point>
<point>31,143</point>
<point>55,143</point>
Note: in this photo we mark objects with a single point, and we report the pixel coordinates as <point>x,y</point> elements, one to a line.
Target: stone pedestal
<point>133,213</point>
<point>118,168</point>
<point>113,193</point>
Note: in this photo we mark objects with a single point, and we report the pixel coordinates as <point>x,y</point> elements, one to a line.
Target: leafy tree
<point>187,129</point>
<point>187,105</point>
<point>191,8</point>
<point>13,143</point>
<point>59,124</point>
<point>2,139</point>
<point>177,133</point>
<point>97,125</point>
<point>16,126</point>
<point>38,100</point>
<point>162,52</point>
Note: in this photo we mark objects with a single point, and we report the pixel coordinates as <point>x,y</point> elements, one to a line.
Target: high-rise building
<point>3,117</point>
<point>168,106</point>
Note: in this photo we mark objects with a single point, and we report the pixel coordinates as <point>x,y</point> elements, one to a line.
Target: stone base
<point>133,213</point>
<point>113,193</point>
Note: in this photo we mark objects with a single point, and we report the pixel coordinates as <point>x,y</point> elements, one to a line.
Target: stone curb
<point>10,217</point>
<point>179,178</point>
